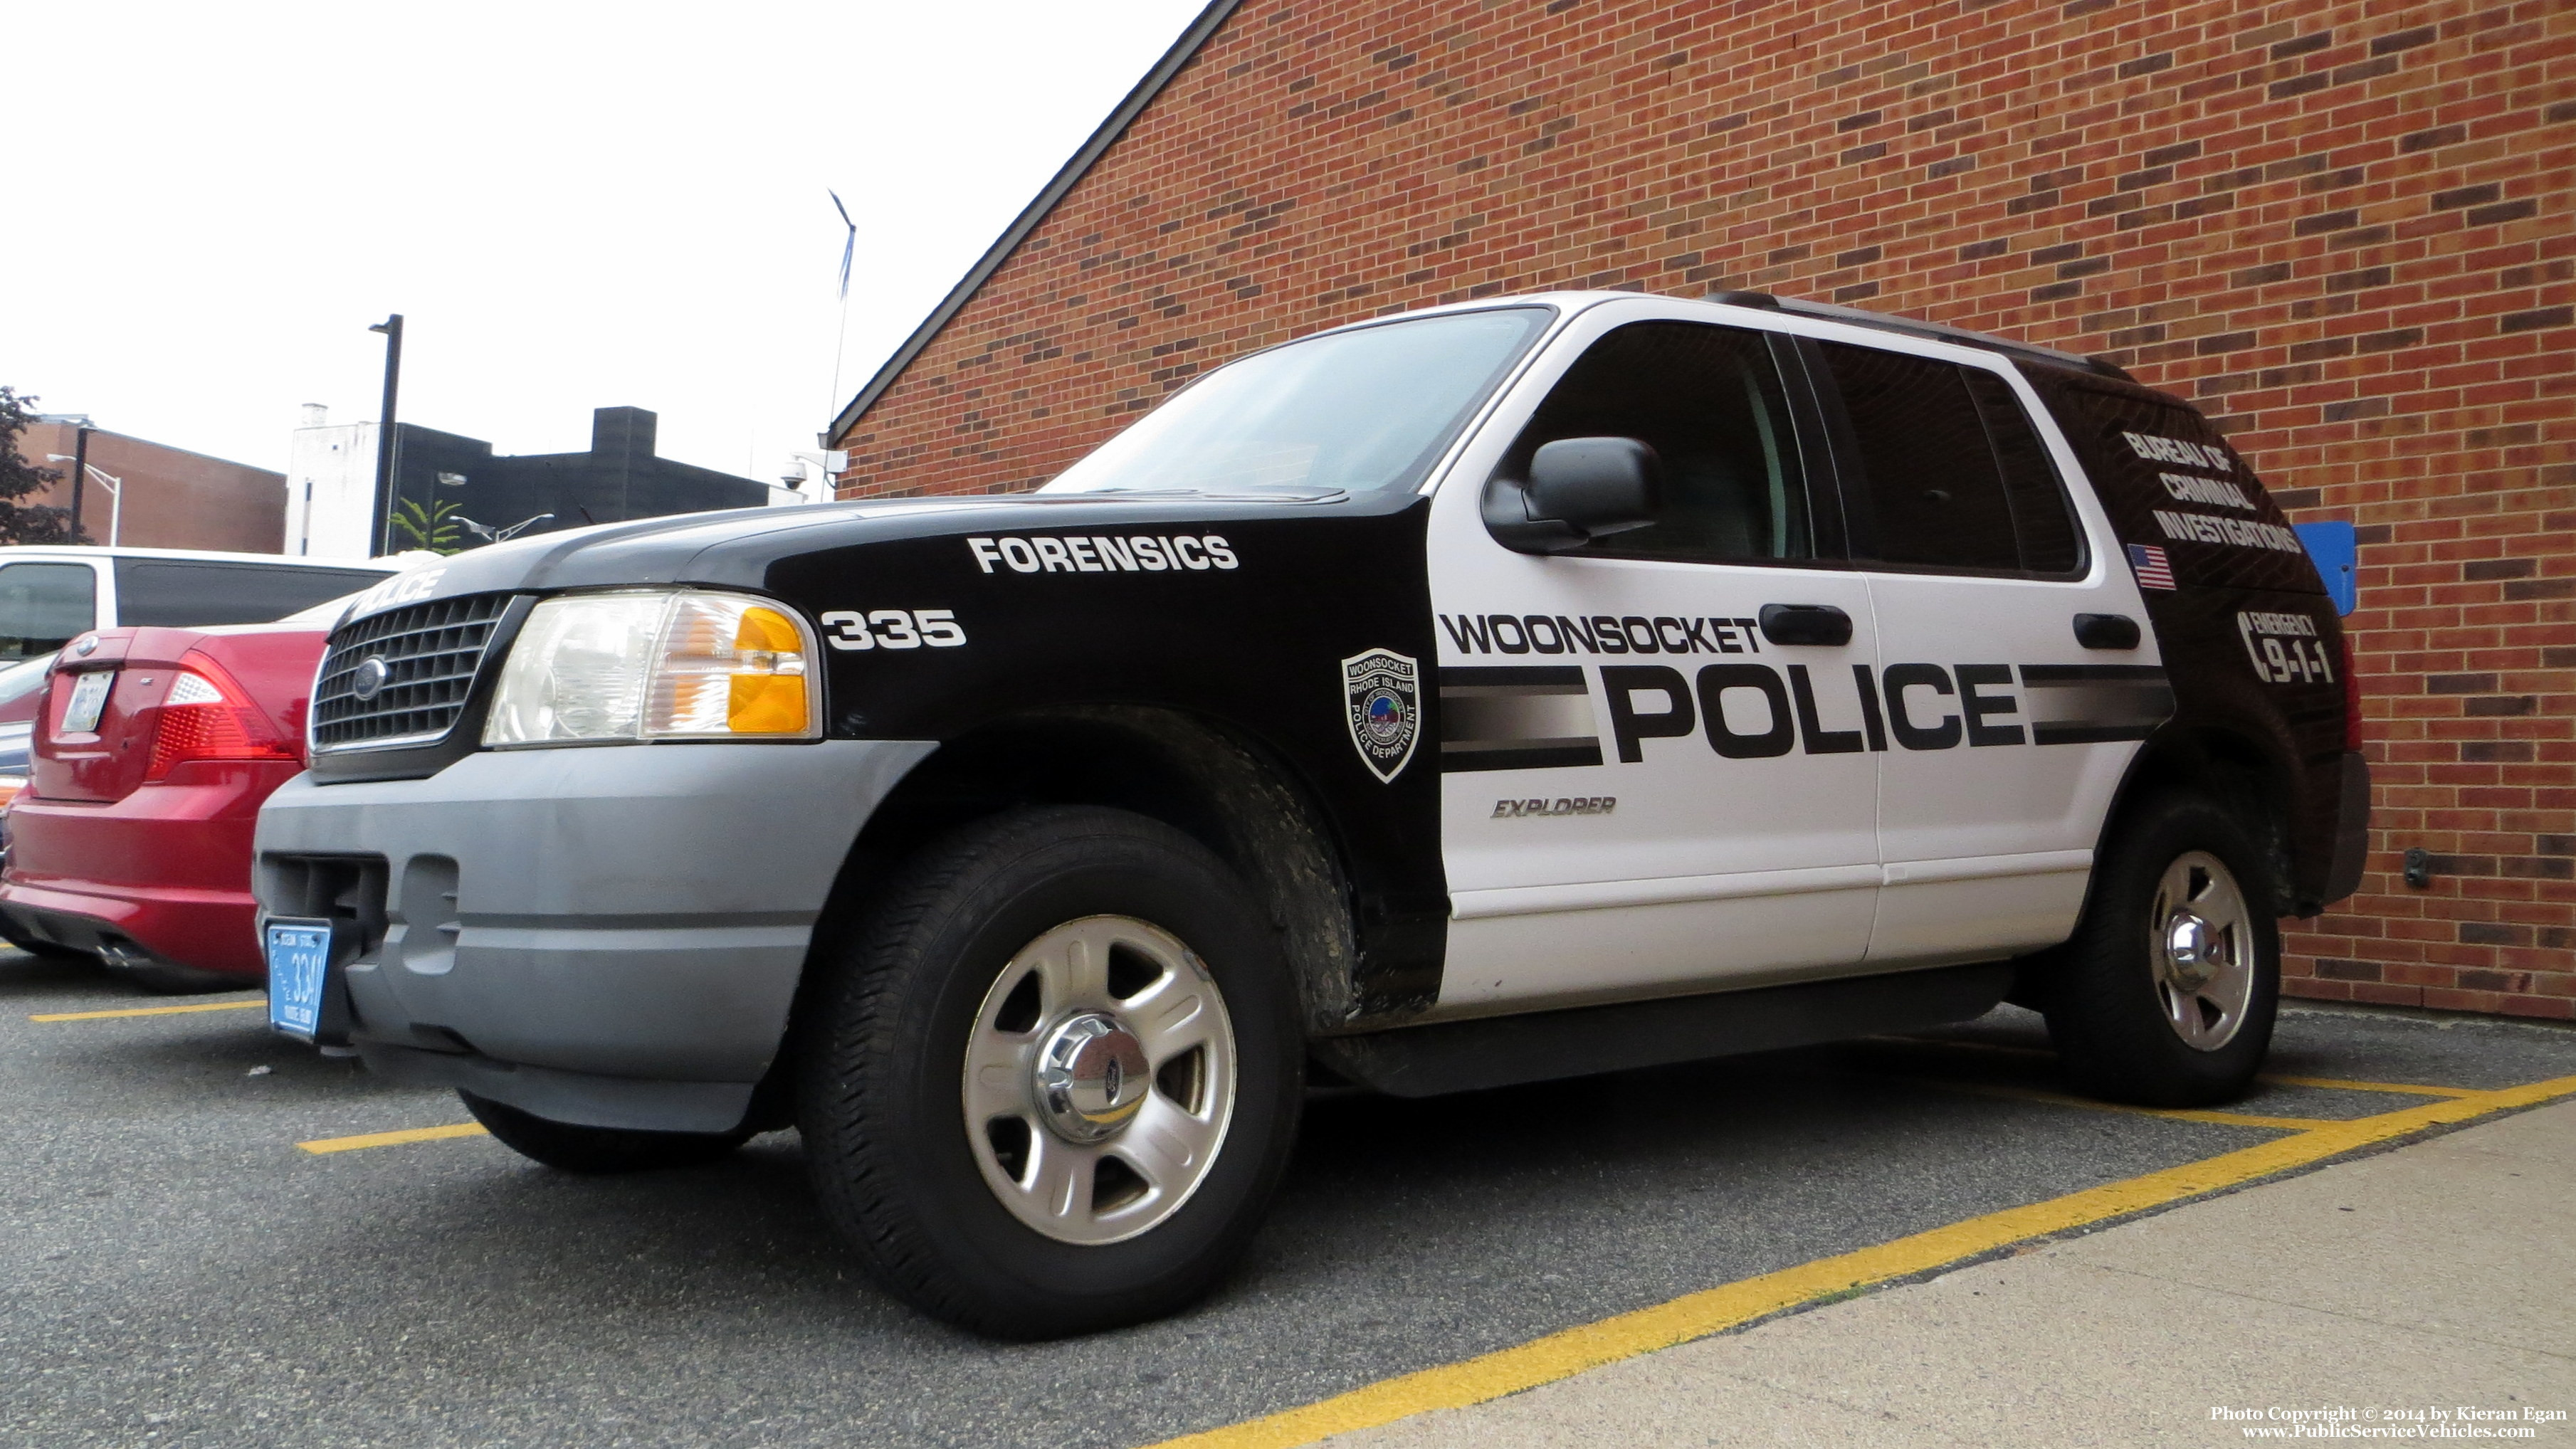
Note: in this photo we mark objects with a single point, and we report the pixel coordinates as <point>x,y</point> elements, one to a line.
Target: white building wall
<point>331,487</point>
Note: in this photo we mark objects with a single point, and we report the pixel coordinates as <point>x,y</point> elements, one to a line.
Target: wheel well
<point>2221,766</point>
<point>2231,771</point>
<point>1211,785</point>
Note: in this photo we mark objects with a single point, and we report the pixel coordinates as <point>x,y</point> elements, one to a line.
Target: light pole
<point>487,532</point>
<point>80,469</point>
<point>386,456</point>
<point>114,485</point>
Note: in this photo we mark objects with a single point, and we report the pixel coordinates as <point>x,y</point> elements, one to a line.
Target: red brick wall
<point>174,498</point>
<point>2343,228</point>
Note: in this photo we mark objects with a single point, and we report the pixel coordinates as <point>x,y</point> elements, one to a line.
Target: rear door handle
<point>2106,631</point>
<point>1821,624</point>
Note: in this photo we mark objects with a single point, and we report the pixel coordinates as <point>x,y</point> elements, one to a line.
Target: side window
<point>2051,542</point>
<point>42,605</point>
<point>187,594</point>
<point>1925,477</point>
<point>1708,400</point>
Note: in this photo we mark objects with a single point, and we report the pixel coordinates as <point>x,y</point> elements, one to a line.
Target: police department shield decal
<point>1382,697</point>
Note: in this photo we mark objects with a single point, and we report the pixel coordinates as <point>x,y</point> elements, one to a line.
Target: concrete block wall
<point>2346,229</point>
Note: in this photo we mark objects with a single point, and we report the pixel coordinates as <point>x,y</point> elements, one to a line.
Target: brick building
<point>173,498</point>
<point>2346,229</point>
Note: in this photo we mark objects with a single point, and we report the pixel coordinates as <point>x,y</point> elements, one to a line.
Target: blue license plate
<point>299,955</point>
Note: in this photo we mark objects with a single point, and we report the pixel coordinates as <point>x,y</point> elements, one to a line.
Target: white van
<point>51,594</point>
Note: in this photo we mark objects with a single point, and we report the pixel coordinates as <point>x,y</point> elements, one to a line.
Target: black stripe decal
<point>2091,704</point>
<point>1516,717</point>
<point>2043,676</point>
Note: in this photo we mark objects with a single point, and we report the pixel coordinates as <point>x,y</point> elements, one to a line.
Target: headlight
<point>607,668</point>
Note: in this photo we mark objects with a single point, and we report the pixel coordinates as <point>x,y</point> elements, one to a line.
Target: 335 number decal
<point>892,629</point>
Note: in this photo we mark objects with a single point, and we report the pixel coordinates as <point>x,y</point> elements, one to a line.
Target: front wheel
<point>1052,1085</point>
<point>2166,995</point>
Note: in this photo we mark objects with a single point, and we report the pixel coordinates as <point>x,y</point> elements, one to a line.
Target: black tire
<point>883,1051</point>
<point>597,1150</point>
<point>2107,1013</point>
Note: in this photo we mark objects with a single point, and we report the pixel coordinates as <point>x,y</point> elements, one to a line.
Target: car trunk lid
<point>262,673</point>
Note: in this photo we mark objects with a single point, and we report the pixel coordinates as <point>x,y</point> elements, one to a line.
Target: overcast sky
<point>573,206</point>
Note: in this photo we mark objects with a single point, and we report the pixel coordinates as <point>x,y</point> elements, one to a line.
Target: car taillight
<point>204,717</point>
<point>2351,697</point>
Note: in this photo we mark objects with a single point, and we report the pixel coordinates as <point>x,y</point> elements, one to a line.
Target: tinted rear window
<point>2171,482</point>
<point>44,604</point>
<point>188,594</point>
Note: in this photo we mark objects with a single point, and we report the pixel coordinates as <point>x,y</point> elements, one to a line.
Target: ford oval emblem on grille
<point>369,677</point>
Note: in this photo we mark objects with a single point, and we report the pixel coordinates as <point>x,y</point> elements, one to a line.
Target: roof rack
<point>1859,317</point>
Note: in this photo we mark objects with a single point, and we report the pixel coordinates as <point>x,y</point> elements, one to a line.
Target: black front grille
<point>430,652</point>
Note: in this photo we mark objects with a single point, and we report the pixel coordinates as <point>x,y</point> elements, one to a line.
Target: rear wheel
<point>2166,995</point>
<point>596,1150</point>
<point>1054,1083</point>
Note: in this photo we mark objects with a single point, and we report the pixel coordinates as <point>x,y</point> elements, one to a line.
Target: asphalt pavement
<point>176,1269</point>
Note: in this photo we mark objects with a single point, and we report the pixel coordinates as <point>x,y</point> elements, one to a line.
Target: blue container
<point>2336,551</point>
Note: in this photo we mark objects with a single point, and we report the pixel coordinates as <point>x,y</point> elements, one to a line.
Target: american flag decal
<point>2154,571</point>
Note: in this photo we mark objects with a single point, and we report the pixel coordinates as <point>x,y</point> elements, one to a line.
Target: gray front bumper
<point>609,935</point>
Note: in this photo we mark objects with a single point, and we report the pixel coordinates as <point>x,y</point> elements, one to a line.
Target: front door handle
<point>2106,631</point>
<point>1821,624</point>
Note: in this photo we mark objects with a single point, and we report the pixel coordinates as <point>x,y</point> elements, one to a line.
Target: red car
<point>152,752</point>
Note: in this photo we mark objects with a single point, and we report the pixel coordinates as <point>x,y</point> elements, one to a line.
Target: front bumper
<point>609,935</point>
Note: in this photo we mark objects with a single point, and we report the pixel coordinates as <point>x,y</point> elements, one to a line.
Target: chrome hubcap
<point>1099,1080</point>
<point>1090,1077</point>
<point>2201,946</point>
<point>2190,943</point>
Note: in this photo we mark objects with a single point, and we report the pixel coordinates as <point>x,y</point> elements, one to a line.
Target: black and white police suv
<point>1495,693</point>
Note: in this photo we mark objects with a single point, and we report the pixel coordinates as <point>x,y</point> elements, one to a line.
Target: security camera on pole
<point>799,469</point>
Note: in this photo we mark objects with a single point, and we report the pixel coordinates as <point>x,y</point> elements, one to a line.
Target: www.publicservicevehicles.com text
<point>2343,1421</point>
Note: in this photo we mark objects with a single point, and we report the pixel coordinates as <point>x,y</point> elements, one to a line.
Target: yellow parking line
<point>2340,1085</point>
<point>1697,1315</point>
<point>151,1010</point>
<point>392,1139</point>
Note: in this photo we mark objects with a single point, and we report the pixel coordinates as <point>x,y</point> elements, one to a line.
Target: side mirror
<point>1579,489</point>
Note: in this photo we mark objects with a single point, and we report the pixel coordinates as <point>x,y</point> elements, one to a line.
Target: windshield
<point>1360,410</point>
